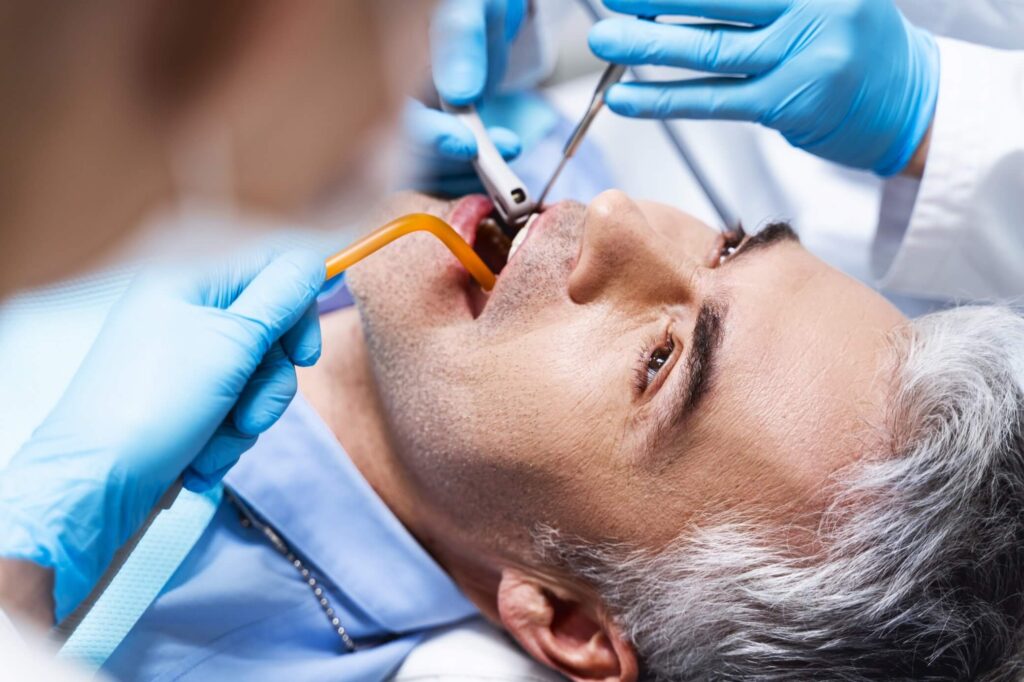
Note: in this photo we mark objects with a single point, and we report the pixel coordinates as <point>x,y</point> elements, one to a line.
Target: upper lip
<point>536,230</point>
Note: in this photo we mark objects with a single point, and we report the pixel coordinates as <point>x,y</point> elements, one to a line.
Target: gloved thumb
<point>438,133</point>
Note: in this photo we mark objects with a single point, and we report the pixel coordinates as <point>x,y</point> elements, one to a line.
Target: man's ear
<point>563,630</point>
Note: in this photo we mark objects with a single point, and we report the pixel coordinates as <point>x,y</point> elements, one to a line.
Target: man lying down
<point>647,455</point>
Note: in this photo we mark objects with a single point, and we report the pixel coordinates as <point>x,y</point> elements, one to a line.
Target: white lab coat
<point>959,233</point>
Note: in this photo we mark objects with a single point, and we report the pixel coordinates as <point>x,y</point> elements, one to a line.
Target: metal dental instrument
<point>612,75</point>
<point>730,219</point>
<point>511,198</point>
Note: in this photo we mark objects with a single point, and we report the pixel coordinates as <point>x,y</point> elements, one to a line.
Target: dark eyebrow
<point>774,233</point>
<point>700,362</point>
<point>708,330</point>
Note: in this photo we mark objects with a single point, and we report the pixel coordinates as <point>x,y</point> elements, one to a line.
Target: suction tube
<point>415,222</point>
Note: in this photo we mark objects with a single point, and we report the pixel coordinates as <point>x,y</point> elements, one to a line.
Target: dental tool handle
<point>66,627</point>
<point>729,218</point>
<point>551,181</point>
<point>612,75</point>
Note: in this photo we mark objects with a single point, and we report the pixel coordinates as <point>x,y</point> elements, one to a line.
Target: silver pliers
<point>511,199</point>
<point>512,202</point>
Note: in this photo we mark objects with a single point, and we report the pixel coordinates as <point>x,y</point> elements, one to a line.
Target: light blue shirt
<point>236,609</point>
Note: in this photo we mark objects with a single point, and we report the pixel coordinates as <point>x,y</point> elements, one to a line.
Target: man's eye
<point>656,360</point>
<point>732,243</point>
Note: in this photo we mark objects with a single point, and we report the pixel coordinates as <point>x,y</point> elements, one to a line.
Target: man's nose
<point>622,257</point>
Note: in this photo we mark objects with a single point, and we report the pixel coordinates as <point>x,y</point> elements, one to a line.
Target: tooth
<point>518,241</point>
<point>521,236</point>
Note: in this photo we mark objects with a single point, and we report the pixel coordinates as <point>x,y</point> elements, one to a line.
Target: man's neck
<point>342,390</point>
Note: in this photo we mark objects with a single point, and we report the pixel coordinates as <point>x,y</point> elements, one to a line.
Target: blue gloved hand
<point>848,80</point>
<point>184,375</point>
<point>469,42</point>
<point>444,149</point>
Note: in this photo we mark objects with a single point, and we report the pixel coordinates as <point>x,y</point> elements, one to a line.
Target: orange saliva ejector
<point>414,222</point>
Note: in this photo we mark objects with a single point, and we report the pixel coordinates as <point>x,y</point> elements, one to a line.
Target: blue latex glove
<point>469,42</point>
<point>848,80</point>
<point>184,375</point>
<point>444,148</point>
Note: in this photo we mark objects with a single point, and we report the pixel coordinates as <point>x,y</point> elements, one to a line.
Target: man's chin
<point>414,282</point>
<point>410,293</point>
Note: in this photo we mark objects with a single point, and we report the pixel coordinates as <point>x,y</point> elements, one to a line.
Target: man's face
<point>620,382</point>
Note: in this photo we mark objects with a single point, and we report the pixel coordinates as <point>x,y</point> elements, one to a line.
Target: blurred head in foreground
<point>113,109</point>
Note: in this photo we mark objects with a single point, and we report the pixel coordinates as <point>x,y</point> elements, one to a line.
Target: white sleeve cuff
<point>936,238</point>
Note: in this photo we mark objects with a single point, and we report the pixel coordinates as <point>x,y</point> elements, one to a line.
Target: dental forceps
<point>511,199</point>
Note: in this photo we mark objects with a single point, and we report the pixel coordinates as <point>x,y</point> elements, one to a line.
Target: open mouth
<point>493,246</point>
<point>473,217</point>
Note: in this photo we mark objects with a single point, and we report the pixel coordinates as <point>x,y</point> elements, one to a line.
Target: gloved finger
<point>458,42</point>
<point>267,394</point>
<point>734,99</point>
<point>279,295</point>
<point>302,343</point>
<point>264,399</point>
<point>507,142</point>
<point>712,48</point>
<point>200,483</point>
<point>754,12</point>
<point>216,459</point>
<point>458,178</point>
<point>437,132</point>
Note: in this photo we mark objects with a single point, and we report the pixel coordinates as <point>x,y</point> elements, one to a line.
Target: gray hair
<point>918,568</point>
